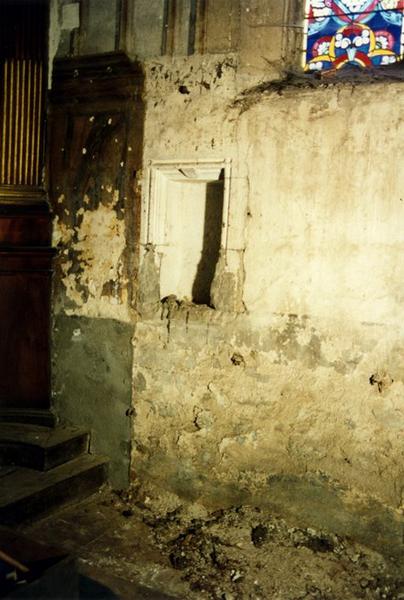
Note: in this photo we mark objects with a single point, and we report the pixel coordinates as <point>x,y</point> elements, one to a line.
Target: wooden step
<point>27,493</point>
<point>39,447</point>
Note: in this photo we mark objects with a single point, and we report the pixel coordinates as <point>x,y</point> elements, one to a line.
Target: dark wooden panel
<point>25,287</point>
<point>26,260</point>
<point>24,230</point>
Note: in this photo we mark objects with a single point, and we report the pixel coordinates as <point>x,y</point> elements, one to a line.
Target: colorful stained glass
<point>361,33</point>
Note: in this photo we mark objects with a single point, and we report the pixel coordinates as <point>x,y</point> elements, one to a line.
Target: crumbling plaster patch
<point>92,261</point>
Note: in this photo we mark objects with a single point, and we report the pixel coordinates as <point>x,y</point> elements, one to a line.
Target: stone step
<point>39,447</point>
<point>33,416</point>
<point>26,493</point>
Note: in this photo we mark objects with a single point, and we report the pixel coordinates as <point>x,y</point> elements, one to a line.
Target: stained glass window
<point>361,33</point>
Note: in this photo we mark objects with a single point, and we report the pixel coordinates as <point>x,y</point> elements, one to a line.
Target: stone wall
<point>292,379</point>
<point>301,372</point>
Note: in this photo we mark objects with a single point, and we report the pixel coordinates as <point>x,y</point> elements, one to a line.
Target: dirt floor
<point>134,550</point>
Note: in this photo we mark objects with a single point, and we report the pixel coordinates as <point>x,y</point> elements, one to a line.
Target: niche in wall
<point>186,216</point>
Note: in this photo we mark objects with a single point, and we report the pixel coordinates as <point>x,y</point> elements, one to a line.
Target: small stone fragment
<point>236,575</point>
<point>259,534</point>
<point>237,359</point>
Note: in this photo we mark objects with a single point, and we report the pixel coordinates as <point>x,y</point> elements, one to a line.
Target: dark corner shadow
<point>91,589</point>
<point>211,241</point>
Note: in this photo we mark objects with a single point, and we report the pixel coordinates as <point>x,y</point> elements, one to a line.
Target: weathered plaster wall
<point>289,389</point>
<point>92,373</point>
<point>329,214</point>
<point>92,353</point>
<point>305,378</point>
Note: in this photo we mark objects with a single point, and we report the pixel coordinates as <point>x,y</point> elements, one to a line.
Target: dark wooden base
<point>25,291</point>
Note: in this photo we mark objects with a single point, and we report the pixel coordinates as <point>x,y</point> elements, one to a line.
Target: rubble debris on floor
<point>235,553</point>
<point>245,552</point>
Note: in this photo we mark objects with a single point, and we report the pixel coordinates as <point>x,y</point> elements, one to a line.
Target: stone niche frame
<point>162,174</point>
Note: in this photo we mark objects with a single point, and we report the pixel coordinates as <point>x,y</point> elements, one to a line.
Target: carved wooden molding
<point>21,195</point>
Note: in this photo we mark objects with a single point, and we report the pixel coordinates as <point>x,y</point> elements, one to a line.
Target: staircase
<point>42,468</point>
